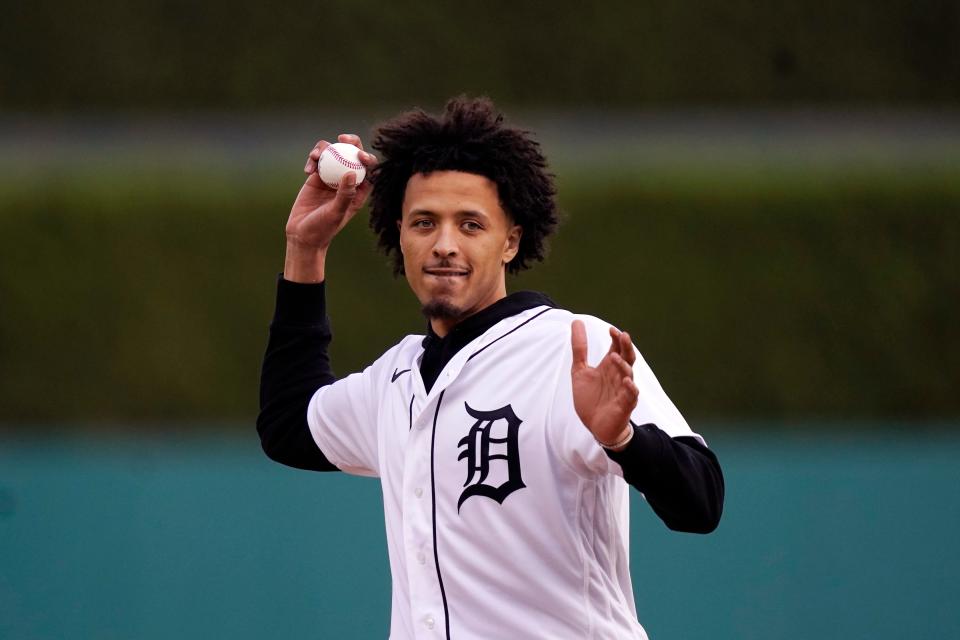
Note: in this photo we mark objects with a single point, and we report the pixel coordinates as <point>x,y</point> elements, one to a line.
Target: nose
<point>445,242</point>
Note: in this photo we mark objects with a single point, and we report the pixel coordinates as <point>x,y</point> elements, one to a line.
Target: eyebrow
<point>463,213</point>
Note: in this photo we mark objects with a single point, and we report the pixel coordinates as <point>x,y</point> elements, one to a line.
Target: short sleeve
<point>343,421</point>
<point>653,405</point>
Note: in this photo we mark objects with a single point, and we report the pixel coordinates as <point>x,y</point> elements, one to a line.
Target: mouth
<point>446,272</point>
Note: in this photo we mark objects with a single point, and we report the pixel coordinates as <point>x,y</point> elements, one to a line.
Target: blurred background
<point>766,195</point>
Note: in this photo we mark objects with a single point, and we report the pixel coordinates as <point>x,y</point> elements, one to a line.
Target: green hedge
<point>146,296</point>
<point>243,53</point>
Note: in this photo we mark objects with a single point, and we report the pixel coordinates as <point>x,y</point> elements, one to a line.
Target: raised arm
<point>296,363</point>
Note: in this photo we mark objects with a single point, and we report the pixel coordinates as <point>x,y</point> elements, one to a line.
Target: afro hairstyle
<point>469,136</point>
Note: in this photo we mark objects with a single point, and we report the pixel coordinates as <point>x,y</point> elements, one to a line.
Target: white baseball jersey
<point>504,517</point>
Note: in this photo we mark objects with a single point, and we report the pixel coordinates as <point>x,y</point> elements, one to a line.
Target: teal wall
<point>827,533</point>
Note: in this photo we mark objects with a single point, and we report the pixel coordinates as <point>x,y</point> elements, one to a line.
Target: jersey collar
<point>438,351</point>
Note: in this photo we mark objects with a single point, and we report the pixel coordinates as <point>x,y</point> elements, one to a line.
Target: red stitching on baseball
<point>344,161</point>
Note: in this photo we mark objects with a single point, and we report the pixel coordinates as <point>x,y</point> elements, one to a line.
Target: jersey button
<point>429,622</point>
<point>418,492</point>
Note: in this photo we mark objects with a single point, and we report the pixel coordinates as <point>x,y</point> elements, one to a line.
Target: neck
<point>442,326</point>
<point>445,323</point>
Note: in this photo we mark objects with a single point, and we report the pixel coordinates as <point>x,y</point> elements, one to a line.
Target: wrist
<point>621,441</point>
<point>304,264</point>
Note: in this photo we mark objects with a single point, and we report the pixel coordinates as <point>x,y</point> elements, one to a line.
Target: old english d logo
<point>476,446</point>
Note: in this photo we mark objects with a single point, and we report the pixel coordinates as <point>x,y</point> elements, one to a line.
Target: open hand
<point>604,396</point>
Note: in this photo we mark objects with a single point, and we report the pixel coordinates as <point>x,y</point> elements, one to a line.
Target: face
<point>456,240</point>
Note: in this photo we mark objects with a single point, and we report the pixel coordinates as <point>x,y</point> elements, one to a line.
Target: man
<point>502,439</point>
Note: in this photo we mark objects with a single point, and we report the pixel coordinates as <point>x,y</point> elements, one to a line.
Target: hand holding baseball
<point>320,212</point>
<point>604,396</point>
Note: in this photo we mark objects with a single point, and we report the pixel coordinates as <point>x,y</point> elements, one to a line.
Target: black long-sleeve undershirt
<point>295,365</point>
<point>680,477</point>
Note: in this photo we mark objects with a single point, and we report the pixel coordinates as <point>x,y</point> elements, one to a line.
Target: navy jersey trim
<point>410,423</point>
<point>490,344</point>
<point>433,492</point>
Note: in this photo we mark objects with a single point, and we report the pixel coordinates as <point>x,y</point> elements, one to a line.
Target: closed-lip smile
<point>445,271</point>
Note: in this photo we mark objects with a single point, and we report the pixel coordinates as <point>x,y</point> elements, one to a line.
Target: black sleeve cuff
<point>641,457</point>
<point>680,478</point>
<point>300,304</point>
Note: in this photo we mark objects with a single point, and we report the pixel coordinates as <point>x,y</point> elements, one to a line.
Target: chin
<point>442,309</point>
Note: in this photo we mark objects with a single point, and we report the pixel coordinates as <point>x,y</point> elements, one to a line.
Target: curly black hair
<point>469,136</point>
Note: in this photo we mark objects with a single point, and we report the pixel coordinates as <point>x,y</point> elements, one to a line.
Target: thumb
<point>346,191</point>
<point>578,342</point>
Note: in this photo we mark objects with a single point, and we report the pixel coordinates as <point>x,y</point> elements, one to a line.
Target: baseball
<point>336,160</point>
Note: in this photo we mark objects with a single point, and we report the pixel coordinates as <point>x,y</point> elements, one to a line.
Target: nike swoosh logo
<point>397,374</point>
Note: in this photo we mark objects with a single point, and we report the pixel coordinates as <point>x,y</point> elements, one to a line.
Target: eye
<point>422,223</point>
<point>471,225</point>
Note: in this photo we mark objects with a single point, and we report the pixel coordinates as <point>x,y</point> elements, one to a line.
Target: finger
<point>314,182</point>
<point>620,343</point>
<point>578,342</point>
<point>368,159</point>
<point>620,366</point>
<point>350,138</point>
<point>629,393</point>
<point>314,156</point>
<point>626,348</point>
<point>614,341</point>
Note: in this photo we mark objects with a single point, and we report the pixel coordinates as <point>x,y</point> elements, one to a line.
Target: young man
<point>505,438</point>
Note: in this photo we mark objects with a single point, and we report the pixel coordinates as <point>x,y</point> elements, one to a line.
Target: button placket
<point>424,592</point>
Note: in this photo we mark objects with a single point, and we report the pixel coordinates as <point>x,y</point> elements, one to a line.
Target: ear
<point>400,235</point>
<point>512,244</point>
